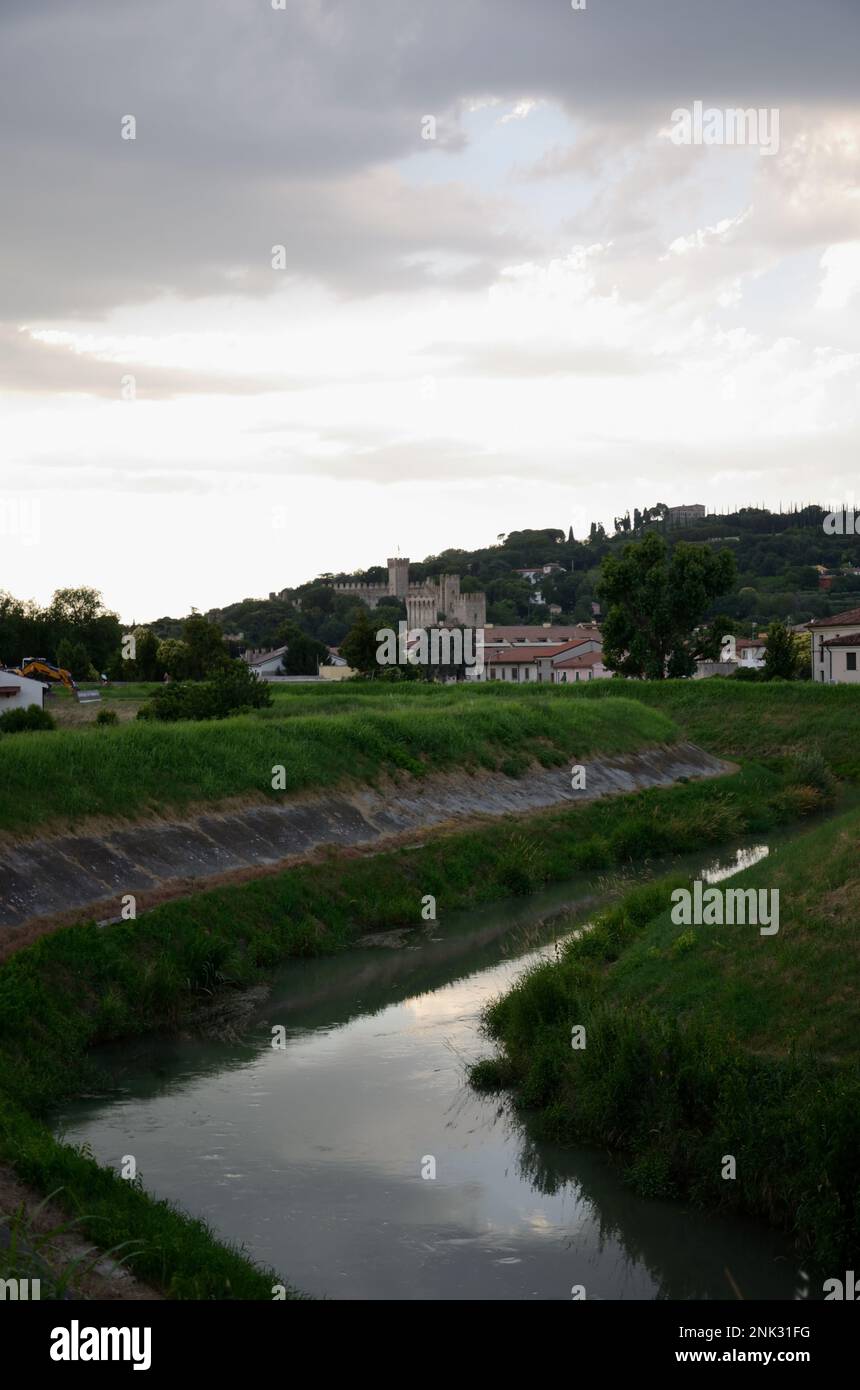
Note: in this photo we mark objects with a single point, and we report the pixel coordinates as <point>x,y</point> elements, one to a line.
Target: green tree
<point>304,654</point>
<point>79,615</point>
<point>74,658</point>
<point>656,603</point>
<point>358,647</point>
<point>206,651</point>
<point>173,659</point>
<point>784,658</point>
<point>145,666</point>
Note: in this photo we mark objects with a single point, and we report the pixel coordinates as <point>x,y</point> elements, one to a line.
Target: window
<point>821,652</point>
<point>528,674</point>
<point>850,661</point>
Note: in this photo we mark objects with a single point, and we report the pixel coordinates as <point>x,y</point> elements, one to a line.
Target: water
<point>312,1156</point>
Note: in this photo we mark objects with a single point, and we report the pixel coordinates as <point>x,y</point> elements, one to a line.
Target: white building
<point>582,666</point>
<point>541,663</point>
<point>266,663</point>
<point>835,648</point>
<point>20,692</point>
<point>748,652</point>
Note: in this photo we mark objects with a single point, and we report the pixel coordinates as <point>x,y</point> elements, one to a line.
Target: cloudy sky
<point>508,295</point>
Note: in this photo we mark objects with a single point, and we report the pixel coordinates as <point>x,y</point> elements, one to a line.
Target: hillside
<point>776,555</point>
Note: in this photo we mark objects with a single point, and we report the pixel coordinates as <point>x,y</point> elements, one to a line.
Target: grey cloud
<point>28,364</point>
<point>258,127</point>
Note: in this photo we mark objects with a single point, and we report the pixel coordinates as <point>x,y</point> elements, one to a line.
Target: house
<point>265,663</point>
<point>521,663</point>
<point>583,666</point>
<point>20,692</point>
<point>840,660</point>
<point>536,572</point>
<point>682,516</point>
<point>834,652</point>
<point>748,652</point>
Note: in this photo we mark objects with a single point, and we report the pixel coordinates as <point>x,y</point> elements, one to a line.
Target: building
<point>736,653</point>
<point>542,663</point>
<point>582,666</point>
<point>835,646</point>
<point>534,635</point>
<point>747,652</point>
<point>537,572</point>
<point>428,603</point>
<point>265,663</point>
<point>682,516</point>
<point>20,692</point>
<point>834,649</point>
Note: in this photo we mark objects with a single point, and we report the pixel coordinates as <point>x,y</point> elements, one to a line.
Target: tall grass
<point>710,1042</point>
<point>53,779</point>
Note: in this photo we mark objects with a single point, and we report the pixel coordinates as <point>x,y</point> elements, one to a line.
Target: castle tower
<point>398,577</point>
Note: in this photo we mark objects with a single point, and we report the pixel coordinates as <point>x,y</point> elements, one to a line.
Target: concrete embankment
<point>69,876</point>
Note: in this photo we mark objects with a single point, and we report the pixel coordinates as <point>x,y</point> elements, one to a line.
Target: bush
<point>22,721</point>
<point>808,768</point>
<point>233,691</point>
<point>107,716</point>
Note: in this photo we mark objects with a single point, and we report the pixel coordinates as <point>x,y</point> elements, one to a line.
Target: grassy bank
<point>732,718</point>
<point>50,780</point>
<point>85,986</point>
<point>708,1041</point>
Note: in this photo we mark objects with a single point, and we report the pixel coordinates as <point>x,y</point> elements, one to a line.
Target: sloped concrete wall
<point>44,878</point>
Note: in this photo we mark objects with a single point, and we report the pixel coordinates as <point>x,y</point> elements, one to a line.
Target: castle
<point>435,601</point>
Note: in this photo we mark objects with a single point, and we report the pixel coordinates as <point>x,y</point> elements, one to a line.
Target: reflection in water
<point>312,1156</point>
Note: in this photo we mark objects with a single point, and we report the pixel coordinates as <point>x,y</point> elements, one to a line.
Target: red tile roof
<point>587,659</point>
<point>512,655</point>
<point>575,632</point>
<point>851,640</point>
<point>851,615</point>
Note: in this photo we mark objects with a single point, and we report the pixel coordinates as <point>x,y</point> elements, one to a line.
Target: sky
<point>290,286</point>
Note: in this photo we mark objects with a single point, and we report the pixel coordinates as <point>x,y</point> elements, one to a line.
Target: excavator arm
<point>38,666</point>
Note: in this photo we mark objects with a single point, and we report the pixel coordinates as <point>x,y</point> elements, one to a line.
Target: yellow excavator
<point>37,666</point>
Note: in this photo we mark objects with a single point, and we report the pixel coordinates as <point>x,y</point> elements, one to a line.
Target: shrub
<point>808,768</point>
<point>232,691</point>
<point>107,716</point>
<point>22,721</point>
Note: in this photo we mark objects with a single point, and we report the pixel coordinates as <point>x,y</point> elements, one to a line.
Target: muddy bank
<point>65,877</point>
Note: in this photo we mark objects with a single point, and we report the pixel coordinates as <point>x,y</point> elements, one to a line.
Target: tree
<point>206,653</point>
<point>783,659</point>
<point>146,667</point>
<point>74,658</point>
<point>304,654</point>
<point>656,604</point>
<point>79,615</point>
<point>358,647</point>
<point>173,658</point>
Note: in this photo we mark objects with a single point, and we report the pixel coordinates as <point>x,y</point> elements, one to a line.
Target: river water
<point>313,1155</point>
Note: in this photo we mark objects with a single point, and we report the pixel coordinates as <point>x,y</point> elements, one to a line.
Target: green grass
<point>85,986</point>
<point>728,717</point>
<point>704,1041</point>
<point>51,780</point>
